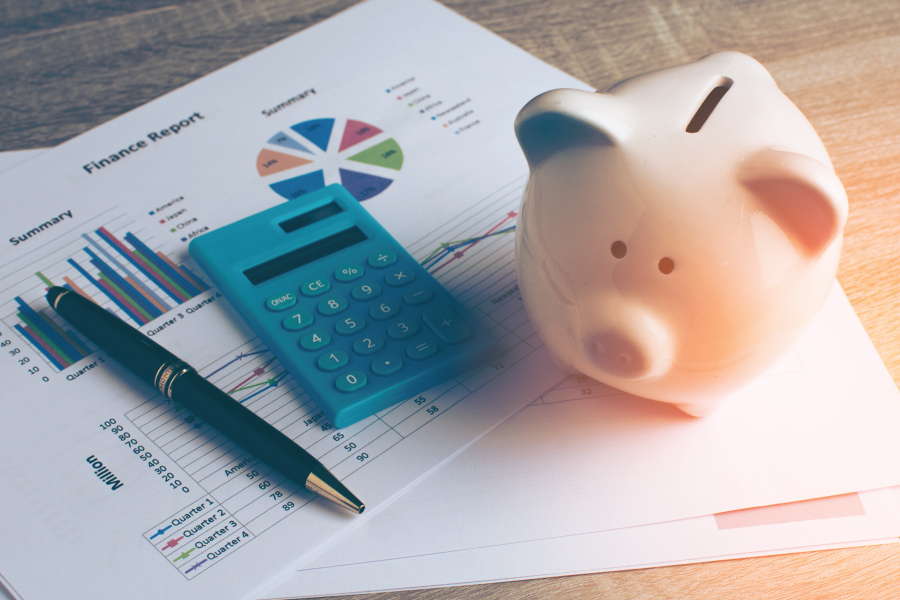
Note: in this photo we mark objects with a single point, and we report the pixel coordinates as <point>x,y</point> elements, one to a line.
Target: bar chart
<point>122,274</point>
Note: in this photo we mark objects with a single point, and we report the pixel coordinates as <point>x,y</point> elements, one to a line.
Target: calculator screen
<point>304,255</point>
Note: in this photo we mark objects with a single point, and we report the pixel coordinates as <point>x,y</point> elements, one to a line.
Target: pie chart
<point>318,152</point>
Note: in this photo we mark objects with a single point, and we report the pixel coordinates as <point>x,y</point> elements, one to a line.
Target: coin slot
<point>709,105</point>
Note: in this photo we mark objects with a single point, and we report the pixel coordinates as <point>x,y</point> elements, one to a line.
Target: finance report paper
<point>118,489</point>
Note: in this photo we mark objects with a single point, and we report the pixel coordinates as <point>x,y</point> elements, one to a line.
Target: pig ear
<point>802,195</point>
<point>561,119</point>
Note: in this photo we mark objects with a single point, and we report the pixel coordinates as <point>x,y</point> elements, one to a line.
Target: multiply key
<point>399,277</point>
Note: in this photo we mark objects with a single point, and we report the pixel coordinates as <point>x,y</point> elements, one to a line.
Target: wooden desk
<point>65,70</point>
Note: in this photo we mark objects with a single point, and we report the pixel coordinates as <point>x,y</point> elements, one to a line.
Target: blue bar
<point>35,343</point>
<point>164,286</point>
<point>136,318</point>
<point>132,294</point>
<point>160,264</point>
<point>194,275</point>
<point>124,268</point>
<point>51,334</point>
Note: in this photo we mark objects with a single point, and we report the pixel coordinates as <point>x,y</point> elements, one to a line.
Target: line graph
<point>258,387</point>
<point>238,357</point>
<point>457,249</point>
<point>472,252</point>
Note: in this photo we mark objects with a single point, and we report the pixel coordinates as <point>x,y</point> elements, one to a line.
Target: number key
<point>366,291</point>
<point>350,325</point>
<point>350,382</point>
<point>402,330</point>
<point>368,345</point>
<point>315,340</point>
<point>333,360</point>
<point>332,306</point>
<point>297,320</point>
<point>384,310</point>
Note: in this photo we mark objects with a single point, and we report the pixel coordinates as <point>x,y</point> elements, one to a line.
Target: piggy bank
<point>678,230</point>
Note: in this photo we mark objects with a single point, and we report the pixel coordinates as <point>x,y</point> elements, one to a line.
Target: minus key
<point>418,295</point>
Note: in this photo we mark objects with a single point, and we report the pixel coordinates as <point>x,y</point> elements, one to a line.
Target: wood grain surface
<point>69,65</point>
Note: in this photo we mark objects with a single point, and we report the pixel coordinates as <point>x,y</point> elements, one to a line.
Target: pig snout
<point>633,346</point>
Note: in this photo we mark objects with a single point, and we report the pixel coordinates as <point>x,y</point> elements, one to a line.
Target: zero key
<point>446,324</point>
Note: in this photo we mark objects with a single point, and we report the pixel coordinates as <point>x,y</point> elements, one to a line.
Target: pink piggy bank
<point>678,230</point>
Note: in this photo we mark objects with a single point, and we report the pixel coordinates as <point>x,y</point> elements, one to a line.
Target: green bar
<point>37,331</point>
<point>149,265</point>
<point>44,278</point>
<point>134,305</point>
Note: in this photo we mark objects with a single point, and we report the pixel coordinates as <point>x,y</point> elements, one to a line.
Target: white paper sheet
<point>564,475</point>
<point>843,521</point>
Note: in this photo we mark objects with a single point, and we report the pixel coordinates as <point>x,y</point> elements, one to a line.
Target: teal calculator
<point>350,314</point>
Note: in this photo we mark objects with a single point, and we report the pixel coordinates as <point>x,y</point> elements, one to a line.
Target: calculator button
<point>387,365</point>
<point>350,325</point>
<point>349,273</point>
<point>315,340</point>
<point>418,295</point>
<point>366,291</point>
<point>282,301</point>
<point>421,349</point>
<point>368,345</point>
<point>332,306</point>
<point>315,287</point>
<point>399,277</point>
<point>350,382</point>
<point>402,330</point>
<point>333,360</point>
<point>446,324</point>
<point>297,320</point>
<point>382,259</point>
<point>384,310</point>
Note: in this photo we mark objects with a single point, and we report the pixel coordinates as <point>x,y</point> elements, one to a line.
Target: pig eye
<point>619,249</point>
<point>666,265</point>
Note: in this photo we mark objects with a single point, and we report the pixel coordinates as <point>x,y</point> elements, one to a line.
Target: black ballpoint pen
<point>179,382</point>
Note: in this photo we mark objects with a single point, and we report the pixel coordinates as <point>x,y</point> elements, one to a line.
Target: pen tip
<point>54,293</point>
<point>327,486</point>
